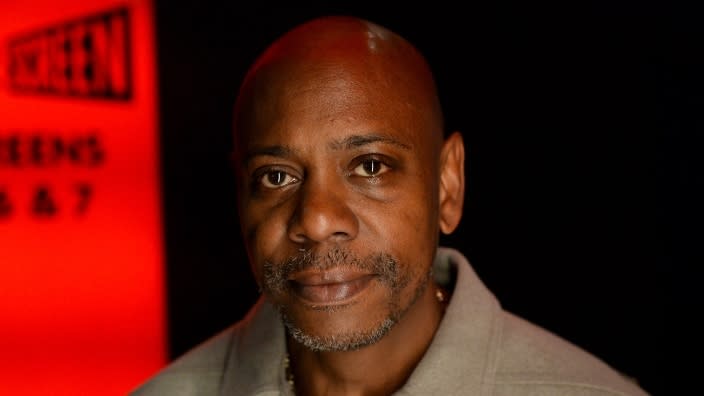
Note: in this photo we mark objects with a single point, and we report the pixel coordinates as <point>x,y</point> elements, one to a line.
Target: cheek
<point>415,233</point>
<point>415,220</point>
<point>405,227</point>
<point>265,232</point>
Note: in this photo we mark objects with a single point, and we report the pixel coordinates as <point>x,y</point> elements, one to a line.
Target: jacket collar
<point>255,365</point>
<point>462,357</point>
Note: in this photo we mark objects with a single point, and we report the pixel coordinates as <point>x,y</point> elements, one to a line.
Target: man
<point>345,181</point>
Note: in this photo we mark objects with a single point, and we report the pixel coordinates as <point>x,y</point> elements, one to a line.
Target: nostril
<point>340,235</point>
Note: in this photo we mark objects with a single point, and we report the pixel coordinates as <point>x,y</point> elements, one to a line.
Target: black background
<point>572,115</point>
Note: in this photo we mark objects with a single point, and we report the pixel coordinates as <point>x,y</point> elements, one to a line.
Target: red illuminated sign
<point>82,305</point>
<point>84,57</point>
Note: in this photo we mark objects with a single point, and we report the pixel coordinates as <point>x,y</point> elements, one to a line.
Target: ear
<point>451,183</point>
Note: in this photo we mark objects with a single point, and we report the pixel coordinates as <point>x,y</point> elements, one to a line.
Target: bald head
<point>344,38</point>
<point>356,58</point>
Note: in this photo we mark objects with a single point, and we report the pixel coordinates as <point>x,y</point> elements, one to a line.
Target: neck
<point>378,369</point>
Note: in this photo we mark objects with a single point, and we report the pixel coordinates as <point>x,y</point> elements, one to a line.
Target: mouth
<point>335,286</point>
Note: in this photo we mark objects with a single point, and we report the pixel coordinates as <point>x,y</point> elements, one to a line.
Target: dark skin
<point>339,138</point>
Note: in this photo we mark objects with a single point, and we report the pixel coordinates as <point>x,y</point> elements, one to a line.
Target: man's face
<point>338,200</point>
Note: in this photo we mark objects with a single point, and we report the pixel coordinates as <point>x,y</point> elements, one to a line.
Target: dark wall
<point>559,106</point>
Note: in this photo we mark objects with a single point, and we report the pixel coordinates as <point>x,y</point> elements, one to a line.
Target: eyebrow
<point>348,143</point>
<point>355,141</point>
<point>272,151</point>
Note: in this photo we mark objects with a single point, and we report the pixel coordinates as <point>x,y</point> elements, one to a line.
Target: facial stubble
<point>389,275</point>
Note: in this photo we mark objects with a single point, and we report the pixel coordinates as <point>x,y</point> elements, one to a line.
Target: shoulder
<point>199,371</point>
<point>246,358</point>
<point>504,354</point>
<point>532,360</point>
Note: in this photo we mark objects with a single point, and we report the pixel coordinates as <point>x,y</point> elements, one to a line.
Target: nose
<point>322,214</point>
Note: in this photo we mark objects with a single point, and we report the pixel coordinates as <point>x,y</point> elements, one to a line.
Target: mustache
<point>383,264</point>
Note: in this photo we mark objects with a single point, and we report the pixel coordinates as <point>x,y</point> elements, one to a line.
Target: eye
<point>370,167</point>
<point>276,179</point>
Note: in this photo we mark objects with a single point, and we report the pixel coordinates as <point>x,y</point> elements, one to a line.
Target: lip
<point>330,287</point>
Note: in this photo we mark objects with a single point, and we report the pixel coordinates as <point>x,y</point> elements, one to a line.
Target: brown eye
<point>370,168</point>
<point>277,179</point>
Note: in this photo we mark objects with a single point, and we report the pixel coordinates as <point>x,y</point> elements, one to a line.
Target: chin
<point>339,337</point>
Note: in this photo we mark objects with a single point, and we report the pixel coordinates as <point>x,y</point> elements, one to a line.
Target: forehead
<point>318,99</point>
